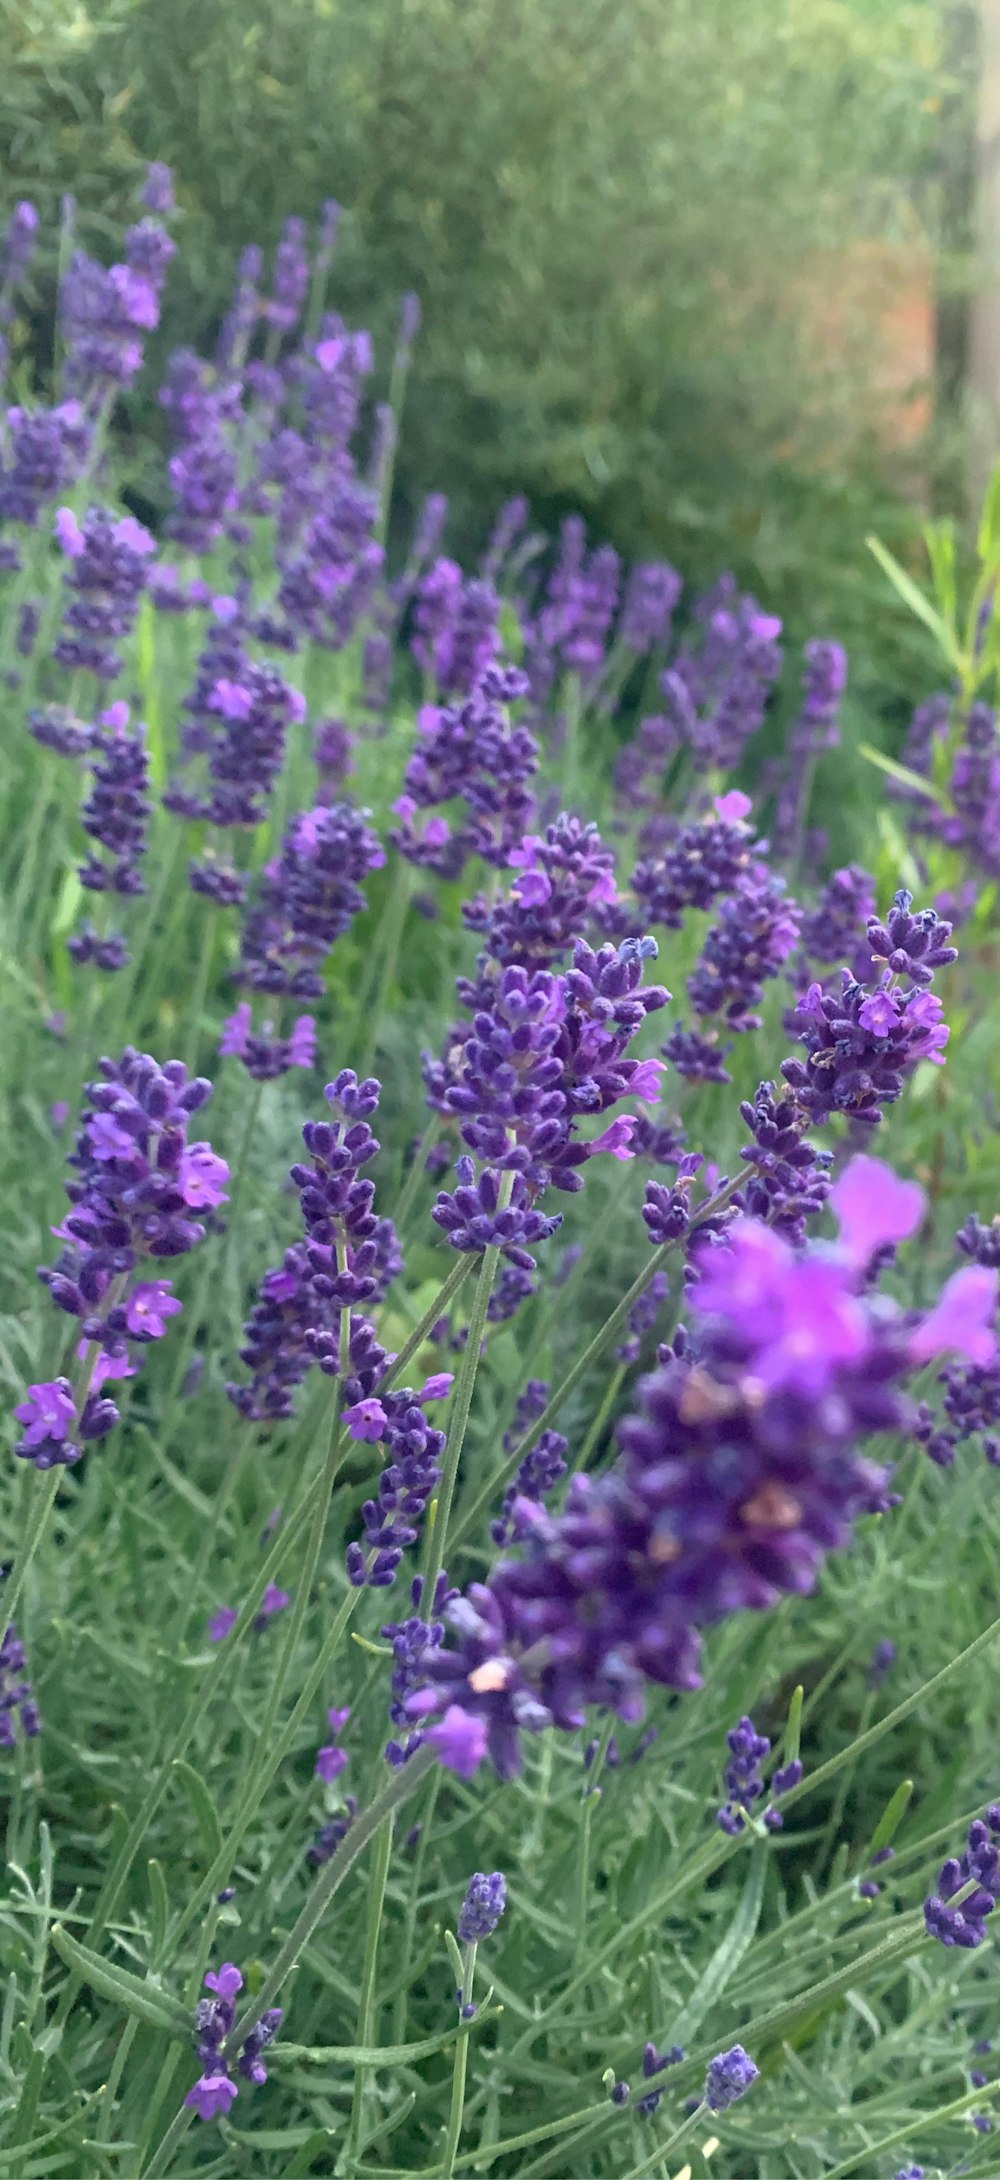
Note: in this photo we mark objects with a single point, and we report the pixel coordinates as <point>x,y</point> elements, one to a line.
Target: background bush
<point>614,217</point>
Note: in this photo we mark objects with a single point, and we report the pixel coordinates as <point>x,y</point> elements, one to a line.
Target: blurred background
<point>716,272</point>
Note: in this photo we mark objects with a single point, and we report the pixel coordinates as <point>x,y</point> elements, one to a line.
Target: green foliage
<point>615,218</point>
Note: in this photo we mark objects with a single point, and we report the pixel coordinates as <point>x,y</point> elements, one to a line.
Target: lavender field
<point>497,1309</point>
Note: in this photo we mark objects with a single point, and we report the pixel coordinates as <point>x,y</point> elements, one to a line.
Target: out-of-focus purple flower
<point>222,1623</point>
<point>18,1709</point>
<point>330,1762</point>
<point>651,593</point>
<point>471,752</point>
<point>42,454</point>
<point>106,310</point>
<point>158,188</point>
<point>108,574</point>
<point>460,1741</point>
<point>717,689</point>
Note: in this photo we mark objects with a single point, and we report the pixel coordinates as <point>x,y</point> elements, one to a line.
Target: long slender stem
<point>666,2149</point>
<point>43,1499</point>
<point>117,1876</point>
<point>200,993</point>
<point>457,2107</point>
<point>438,1535</point>
<point>591,1354</point>
<point>259,1780</point>
<point>369,1972</point>
<point>397,1790</point>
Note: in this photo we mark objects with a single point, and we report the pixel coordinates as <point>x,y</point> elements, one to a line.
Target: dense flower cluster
<point>307,1311</point>
<point>108,572</point>
<point>864,1040</point>
<point>469,752</point>
<point>138,1186</point>
<point>744,1468</point>
<point>968,1886</point>
<point>302,903</point>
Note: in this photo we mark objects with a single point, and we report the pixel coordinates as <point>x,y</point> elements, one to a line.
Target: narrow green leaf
<point>149,687</point>
<point>67,905</point>
<point>892,1816</point>
<point>988,539</point>
<point>916,600</point>
<point>728,1954</point>
<point>455,1957</point>
<point>902,773</point>
<point>939,538</point>
<point>793,1730</point>
<point>306,2159</point>
<point>145,2000</point>
<point>204,1807</point>
<point>159,1909</point>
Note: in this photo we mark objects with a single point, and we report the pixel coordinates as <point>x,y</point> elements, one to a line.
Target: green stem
<point>200,993</point>
<point>438,1527</point>
<point>457,2107</point>
<point>397,1790</point>
<point>598,1426</point>
<point>259,1780</point>
<point>591,1354</point>
<point>871,2151</point>
<point>413,1905</point>
<point>366,2004</point>
<point>388,941</point>
<point>656,2157</point>
<point>43,1499</point>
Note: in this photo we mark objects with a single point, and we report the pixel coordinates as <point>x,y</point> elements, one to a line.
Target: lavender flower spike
<point>482,1907</point>
<point>729,2077</point>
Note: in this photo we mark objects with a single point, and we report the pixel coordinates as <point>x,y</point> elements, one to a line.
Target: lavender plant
<point>528,1474</point>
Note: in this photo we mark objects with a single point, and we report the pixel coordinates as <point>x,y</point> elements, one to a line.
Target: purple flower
<point>874,1208</point>
<point>979,1866</point>
<point>460,1740</point>
<point>330,1762</point>
<point>107,577</point>
<point>48,1414</point>
<point>273,1600</point>
<point>17,1702</point>
<point>302,903</point>
<point>202,1177</point>
<point>367,1419</point>
<point>222,1623</point>
<point>470,752</point>
<point>717,689</point>
<point>226,1982</point>
<point>962,1321</point>
<point>862,1044</point>
<point>297,1319</point>
<point>482,1907</point>
<point>212,2096</point>
<point>651,593</point>
<point>729,2077</point>
<point>148,1308</point>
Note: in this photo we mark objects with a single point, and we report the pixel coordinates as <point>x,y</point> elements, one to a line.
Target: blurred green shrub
<point>608,213</point>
